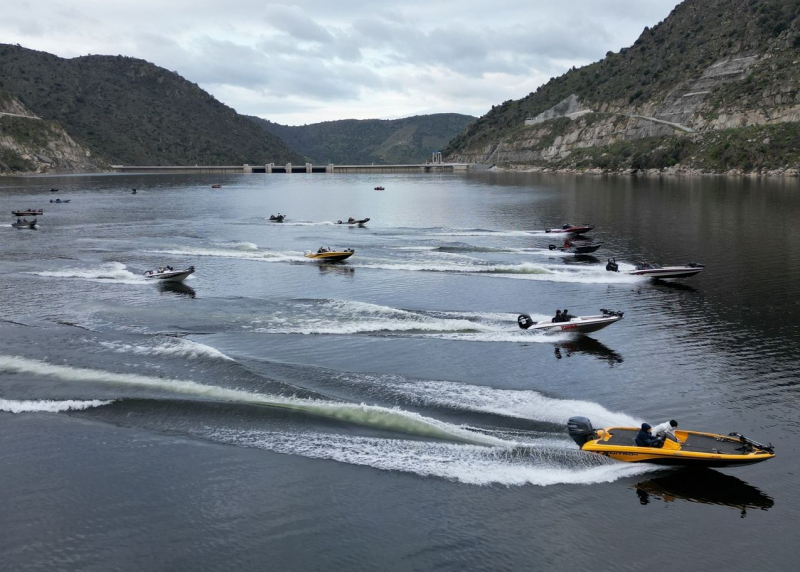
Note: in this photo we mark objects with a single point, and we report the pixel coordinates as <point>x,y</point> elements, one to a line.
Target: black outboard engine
<point>525,321</point>
<point>581,430</point>
<point>612,265</point>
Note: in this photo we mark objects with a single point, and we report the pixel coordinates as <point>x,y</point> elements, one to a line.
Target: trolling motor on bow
<point>610,313</point>
<point>750,445</point>
<point>612,265</point>
<point>581,430</point>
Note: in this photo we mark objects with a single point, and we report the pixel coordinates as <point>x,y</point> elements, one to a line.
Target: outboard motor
<point>612,265</point>
<point>525,321</point>
<point>581,430</point>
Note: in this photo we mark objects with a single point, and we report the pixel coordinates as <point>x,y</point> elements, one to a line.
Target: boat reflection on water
<point>336,268</point>
<point>704,486</point>
<point>587,345</point>
<point>177,288</point>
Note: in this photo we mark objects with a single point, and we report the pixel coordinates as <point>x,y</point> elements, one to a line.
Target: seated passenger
<point>646,439</point>
<point>666,429</point>
<point>566,316</point>
<point>557,317</point>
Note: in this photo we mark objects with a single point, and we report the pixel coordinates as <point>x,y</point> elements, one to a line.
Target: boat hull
<point>330,256</point>
<point>27,213</point>
<point>580,324</point>
<point>669,272</point>
<point>581,229</point>
<point>176,276</point>
<point>696,450</point>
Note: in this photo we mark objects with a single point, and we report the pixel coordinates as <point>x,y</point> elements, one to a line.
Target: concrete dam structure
<point>309,168</point>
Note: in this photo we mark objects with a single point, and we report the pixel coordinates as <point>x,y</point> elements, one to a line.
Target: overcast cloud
<point>314,60</point>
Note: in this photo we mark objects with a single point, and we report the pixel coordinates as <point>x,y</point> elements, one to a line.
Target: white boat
<point>660,272</point>
<point>169,275</point>
<point>580,324</point>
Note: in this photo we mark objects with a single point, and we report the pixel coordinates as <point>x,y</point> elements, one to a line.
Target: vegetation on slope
<point>132,112</point>
<point>695,35</point>
<point>352,141</point>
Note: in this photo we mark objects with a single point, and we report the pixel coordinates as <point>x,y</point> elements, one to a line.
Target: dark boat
<point>578,247</point>
<point>351,221</point>
<point>380,189</point>
<point>25,224</point>
<point>568,228</point>
<point>216,186</point>
<point>279,218</point>
<point>53,190</point>
<point>59,201</point>
<point>30,212</point>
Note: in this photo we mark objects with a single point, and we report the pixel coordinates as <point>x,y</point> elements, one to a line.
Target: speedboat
<point>166,275</point>
<point>380,189</point>
<point>568,228</point>
<point>134,191</point>
<point>29,212</point>
<point>353,222</point>
<point>660,272</point>
<point>695,449</point>
<point>59,201</point>
<point>216,186</point>
<point>578,247</point>
<point>331,255</point>
<point>25,224</point>
<point>279,218</point>
<point>580,324</point>
<point>53,190</point>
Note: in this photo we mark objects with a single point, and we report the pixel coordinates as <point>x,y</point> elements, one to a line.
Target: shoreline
<point>667,172</point>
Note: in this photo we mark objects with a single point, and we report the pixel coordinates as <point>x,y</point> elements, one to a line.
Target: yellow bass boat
<point>696,449</point>
<point>331,255</point>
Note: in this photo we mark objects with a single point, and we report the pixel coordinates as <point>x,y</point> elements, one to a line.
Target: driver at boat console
<point>645,438</point>
<point>564,316</point>
<point>667,429</point>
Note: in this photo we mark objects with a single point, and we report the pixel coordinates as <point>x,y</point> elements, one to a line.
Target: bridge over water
<point>289,168</point>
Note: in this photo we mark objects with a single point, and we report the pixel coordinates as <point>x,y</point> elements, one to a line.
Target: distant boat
<point>53,190</point>
<point>24,224</point>
<point>59,201</point>
<point>279,218</point>
<point>216,186</point>
<point>29,212</point>
<point>134,191</point>
<point>331,255</point>
<point>380,189</point>
<point>352,222</point>
<point>169,275</point>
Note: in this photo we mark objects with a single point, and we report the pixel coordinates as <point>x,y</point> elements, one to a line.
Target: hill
<point>129,111</point>
<point>714,86</point>
<point>353,141</point>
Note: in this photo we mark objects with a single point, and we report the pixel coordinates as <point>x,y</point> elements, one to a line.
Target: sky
<point>315,60</point>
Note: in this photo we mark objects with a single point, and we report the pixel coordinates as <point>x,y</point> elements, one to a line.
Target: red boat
<point>571,229</point>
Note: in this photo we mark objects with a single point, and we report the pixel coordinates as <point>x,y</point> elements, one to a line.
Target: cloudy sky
<point>315,60</point>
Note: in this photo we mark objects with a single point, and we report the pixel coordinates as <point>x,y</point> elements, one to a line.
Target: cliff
<point>29,144</point>
<point>715,86</point>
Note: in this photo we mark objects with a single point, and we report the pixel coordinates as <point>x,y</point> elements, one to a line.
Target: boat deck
<point>694,443</point>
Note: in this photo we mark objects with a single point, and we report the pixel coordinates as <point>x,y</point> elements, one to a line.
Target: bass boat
<point>29,212</point>
<point>169,275</point>
<point>331,255</point>
<point>59,201</point>
<point>578,247</point>
<point>380,189</point>
<point>568,228</point>
<point>352,222</point>
<point>659,272</point>
<point>695,449</point>
<point>279,218</point>
<point>580,324</point>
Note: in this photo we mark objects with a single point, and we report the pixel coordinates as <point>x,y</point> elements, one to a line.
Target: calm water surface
<point>387,413</point>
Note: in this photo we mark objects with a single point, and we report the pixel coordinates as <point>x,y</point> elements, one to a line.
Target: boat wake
<point>49,406</point>
<point>177,347</point>
<point>115,272</point>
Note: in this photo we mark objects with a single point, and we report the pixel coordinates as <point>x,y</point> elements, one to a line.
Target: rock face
<point>712,65</point>
<point>29,144</point>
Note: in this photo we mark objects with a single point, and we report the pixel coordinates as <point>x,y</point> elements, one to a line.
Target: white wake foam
<point>110,272</point>
<point>468,464</point>
<point>242,254</point>
<point>49,406</point>
<point>362,414</point>
<point>179,347</point>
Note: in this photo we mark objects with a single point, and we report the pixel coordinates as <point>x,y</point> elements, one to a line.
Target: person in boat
<point>666,429</point>
<point>19,221</point>
<point>645,437</point>
<point>557,317</point>
<point>565,226</point>
<point>566,316</point>
<point>351,219</point>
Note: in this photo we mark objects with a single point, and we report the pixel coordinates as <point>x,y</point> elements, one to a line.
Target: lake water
<point>386,413</point>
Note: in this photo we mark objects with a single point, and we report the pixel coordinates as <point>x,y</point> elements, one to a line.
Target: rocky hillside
<point>714,86</point>
<point>129,111</point>
<point>351,141</point>
<point>29,144</point>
